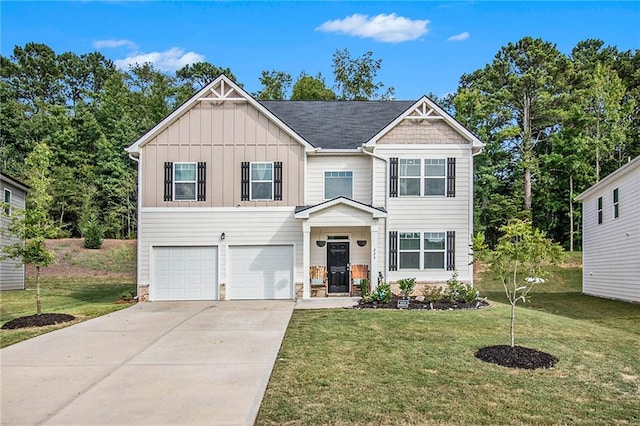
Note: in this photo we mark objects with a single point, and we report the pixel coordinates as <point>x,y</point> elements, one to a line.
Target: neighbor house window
<point>435,174</point>
<point>7,202</point>
<point>261,181</point>
<point>409,250</point>
<point>184,181</point>
<point>338,184</point>
<point>616,203</point>
<point>599,210</point>
<point>434,247</point>
<point>409,172</point>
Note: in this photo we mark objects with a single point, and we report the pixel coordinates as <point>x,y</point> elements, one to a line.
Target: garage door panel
<point>185,273</point>
<point>261,272</point>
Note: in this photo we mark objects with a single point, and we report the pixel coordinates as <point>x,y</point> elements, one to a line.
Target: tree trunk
<point>527,148</point>
<point>38,301</point>
<point>512,332</point>
<point>527,188</point>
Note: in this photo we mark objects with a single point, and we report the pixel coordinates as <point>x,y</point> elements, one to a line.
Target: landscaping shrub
<point>432,293</point>
<point>406,286</point>
<point>381,294</point>
<point>93,234</point>
<point>457,291</point>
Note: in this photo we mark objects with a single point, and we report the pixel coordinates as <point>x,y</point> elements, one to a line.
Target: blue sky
<point>425,46</point>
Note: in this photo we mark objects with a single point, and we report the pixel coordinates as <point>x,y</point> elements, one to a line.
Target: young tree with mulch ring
<point>519,262</point>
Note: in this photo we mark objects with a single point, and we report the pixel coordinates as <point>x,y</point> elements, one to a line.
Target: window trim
<point>446,177</point>
<point>600,203</point>
<point>252,181</point>
<point>324,183</point>
<point>616,203</point>
<point>195,181</point>
<point>423,250</point>
<point>7,204</point>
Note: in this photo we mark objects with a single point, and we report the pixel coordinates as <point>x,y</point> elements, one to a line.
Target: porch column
<point>306,255</point>
<point>373,267</point>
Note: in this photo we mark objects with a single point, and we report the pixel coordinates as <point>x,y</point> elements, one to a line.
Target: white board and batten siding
<point>203,227</point>
<point>12,273</point>
<point>611,249</point>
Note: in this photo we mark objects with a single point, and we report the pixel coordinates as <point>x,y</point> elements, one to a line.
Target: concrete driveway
<point>157,363</point>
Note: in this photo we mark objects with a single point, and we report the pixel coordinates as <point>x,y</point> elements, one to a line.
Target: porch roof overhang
<point>304,212</point>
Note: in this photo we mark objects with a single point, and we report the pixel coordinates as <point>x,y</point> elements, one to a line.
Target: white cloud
<point>112,44</point>
<point>459,37</point>
<point>169,60</point>
<point>385,28</point>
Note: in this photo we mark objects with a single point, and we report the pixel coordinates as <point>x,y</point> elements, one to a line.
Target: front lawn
<point>409,367</point>
<point>83,298</point>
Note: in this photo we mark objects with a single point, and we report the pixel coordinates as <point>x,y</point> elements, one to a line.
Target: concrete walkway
<point>160,363</point>
<point>327,302</point>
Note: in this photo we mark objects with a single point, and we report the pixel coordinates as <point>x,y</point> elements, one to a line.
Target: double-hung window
<point>7,202</point>
<point>422,250</point>
<point>435,174</point>
<point>616,203</point>
<point>409,172</point>
<point>432,177</point>
<point>599,210</point>
<point>184,182</point>
<point>261,181</point>
<point>338,184</point>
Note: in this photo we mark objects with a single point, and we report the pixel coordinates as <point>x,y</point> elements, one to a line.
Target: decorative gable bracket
<point>423,112</point>
<point>223,93</point>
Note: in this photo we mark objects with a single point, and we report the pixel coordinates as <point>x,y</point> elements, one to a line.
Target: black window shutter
<point>277,181</point>
<point>451,177</point>
<point>168,181</point>
<point>393,177</point>
<point>202,181</point>
<point>244,196</point>
<point>393,250</point>
<point>451,250</point>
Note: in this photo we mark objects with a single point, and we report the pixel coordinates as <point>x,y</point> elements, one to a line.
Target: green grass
<point>83,298</point>
<point>407,367</point>
<point>118,259</point>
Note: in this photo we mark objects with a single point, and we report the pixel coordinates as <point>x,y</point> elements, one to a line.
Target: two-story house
<point>14,196</point>
<point>248,199</point>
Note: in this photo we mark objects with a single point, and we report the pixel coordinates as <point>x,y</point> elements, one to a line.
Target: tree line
<point>554,124</point>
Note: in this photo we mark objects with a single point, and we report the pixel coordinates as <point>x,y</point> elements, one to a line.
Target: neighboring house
<point>611,235</point>
<point>248,199</point>
<point>14,194</point>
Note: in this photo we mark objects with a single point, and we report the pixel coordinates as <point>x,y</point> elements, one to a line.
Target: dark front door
<point>338,267</point>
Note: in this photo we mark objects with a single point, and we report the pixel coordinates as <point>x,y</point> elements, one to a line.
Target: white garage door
<point>260,272</point>
<point>185,273</point>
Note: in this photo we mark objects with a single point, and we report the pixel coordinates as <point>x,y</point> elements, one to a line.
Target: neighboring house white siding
<point>611,249</point>
<point>360,165</point>
<point>12,273</point>
<point>171,227</point>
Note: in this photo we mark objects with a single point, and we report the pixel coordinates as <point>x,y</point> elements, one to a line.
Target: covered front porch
<point>340,247</point>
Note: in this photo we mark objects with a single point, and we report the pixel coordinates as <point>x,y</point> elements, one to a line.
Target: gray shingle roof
<point>337,124</point>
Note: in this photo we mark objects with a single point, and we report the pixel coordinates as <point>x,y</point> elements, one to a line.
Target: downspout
<point>471,205</point>
<point>139,216</point>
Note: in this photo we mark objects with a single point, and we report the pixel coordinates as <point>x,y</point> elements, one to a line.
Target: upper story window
<point>422,177</point>
<point>338,184</point>
<point>184,181</point>
<point>434,177</point>
<point>261,181</point>
<point>599,210</point>
<point>7,202</point>
<point>616,203</point>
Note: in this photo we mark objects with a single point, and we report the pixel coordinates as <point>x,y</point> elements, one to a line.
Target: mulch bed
<point>37,321</point>
<point>516,357</point>
<point>415,304</point>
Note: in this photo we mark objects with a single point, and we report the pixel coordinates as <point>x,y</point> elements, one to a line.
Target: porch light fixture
<point>223,236</point>
<point>321,243</point>
<point>361,243</point>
